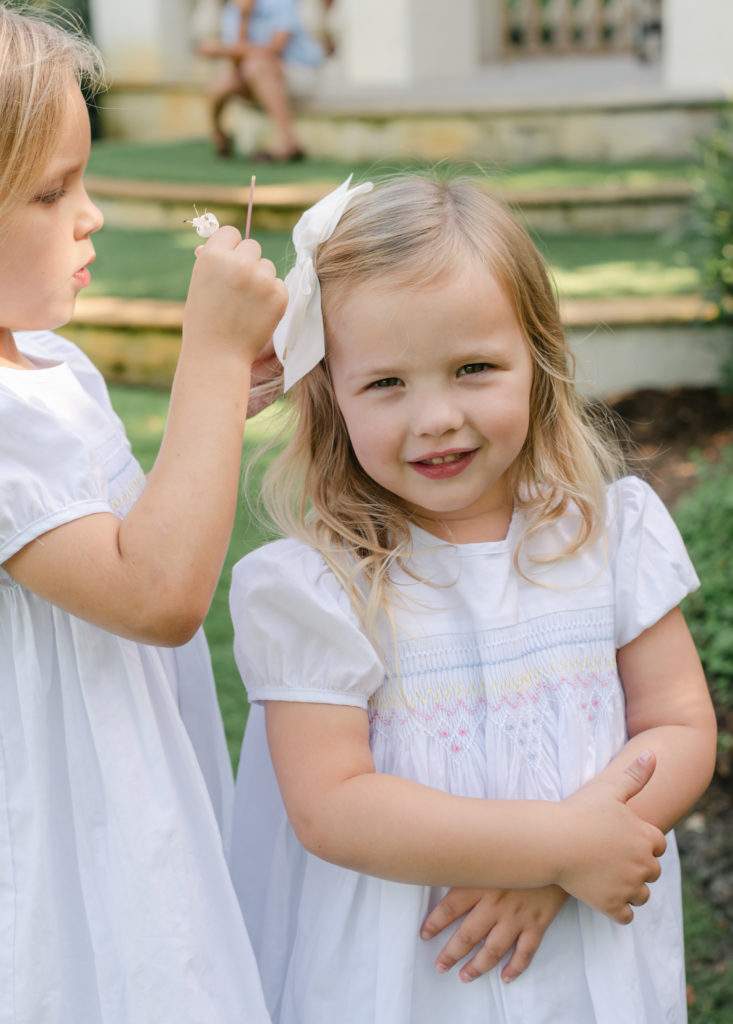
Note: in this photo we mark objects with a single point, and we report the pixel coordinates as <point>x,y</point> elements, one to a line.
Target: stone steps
<point>594,108</point>
<point>594,209</point>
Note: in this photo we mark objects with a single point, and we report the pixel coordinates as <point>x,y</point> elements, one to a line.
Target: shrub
<point>713,211</point>
<point>705,520</point>
<point>711,222</point>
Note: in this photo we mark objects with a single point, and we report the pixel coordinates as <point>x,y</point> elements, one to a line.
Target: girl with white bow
<point>469,634</point>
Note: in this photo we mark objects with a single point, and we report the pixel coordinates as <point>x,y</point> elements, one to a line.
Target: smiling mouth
<point>441,460</point>
<point>437,467</point>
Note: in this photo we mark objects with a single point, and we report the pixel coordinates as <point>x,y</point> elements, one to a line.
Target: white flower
<point>206,224</point>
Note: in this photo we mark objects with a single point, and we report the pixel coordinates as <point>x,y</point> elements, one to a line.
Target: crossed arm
<point>668,710</point>
<point>592,845</point>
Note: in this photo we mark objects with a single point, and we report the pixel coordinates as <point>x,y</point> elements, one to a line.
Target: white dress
<point>514,693</point>
<point>116,905</point>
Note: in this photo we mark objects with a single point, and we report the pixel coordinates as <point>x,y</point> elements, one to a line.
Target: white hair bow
<point>299,339</point>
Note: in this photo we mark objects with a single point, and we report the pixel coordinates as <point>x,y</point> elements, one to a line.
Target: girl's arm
<point>151,576</point>
<point>343,811</point>
<point>668,708</point>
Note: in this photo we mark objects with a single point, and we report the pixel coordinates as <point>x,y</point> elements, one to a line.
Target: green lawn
<point>193,161</point>
<point>608,266</point>
<point>709,959</point>
<point>157,264</point>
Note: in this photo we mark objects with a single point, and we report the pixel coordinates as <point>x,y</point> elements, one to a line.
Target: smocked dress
<point>116,905</point>
<point>508,689</point>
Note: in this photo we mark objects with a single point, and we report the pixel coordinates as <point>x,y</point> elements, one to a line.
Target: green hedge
<point>705,520</point>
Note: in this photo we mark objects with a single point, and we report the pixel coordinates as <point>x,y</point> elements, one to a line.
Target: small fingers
<point>268,267</point>
<point>660,845</point>
<point>641,897</point>
<point>497,945</point>
<point>459,945</point>
<point>526,946</point>
<point>624,915</point>
<point>453,905</point>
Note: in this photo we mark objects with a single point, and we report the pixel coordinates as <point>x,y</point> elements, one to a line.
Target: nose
<point>436,412</point>
<point>90,218</point>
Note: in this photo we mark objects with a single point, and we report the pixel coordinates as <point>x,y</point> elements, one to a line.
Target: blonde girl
<point>115,901</point>
<point>470,630</point>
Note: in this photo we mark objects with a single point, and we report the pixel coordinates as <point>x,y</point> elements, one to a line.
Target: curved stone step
<point>598,208</point>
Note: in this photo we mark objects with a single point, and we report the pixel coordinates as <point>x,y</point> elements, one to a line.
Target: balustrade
<point>577,26</point>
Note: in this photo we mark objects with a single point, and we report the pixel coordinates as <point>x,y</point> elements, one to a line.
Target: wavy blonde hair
<point>412,231</point>
<point>41,55</point>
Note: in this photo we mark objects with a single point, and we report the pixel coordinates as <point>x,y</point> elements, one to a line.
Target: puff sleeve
<point>296,637</point>
<point>48,473</point>
<point>652,570</point>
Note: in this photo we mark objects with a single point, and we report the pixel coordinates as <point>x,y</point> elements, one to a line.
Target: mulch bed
<point>664,426</point>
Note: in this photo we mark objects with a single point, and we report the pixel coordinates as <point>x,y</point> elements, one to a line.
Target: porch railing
<point>533,27</point>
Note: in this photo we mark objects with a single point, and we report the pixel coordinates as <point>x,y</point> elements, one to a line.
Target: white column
<point>143,40</point>
<point>404,41</point>
<point>697,44</point>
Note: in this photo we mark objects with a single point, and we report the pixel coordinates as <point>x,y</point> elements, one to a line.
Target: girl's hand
<point>502,919</point>
<point>235,299</point>
<point>609,854</point>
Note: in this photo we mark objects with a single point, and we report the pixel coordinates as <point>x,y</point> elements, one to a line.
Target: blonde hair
<point>39,60</point>
<point>413,231</point>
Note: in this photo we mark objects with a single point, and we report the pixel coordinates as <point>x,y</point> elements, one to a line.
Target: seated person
<point>265,40</point>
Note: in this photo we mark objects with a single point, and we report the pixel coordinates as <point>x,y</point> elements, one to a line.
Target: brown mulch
<point>664,427</point>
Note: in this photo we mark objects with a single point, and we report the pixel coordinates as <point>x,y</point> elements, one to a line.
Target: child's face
<point>434,387</point>
<point>46,249</point>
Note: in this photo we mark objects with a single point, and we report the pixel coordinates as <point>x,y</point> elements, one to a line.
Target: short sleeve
<point>652,570</point>
<point>50,345</point>
<point>295,635</point>
<point>48,475</point>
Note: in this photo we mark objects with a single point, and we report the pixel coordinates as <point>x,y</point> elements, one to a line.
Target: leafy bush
<point>705,520</point>
<point>713,211</point>
<point>711,222</point>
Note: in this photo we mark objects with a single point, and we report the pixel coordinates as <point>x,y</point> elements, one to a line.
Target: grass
<point>157,264</point>
<point>586,266</point>
<point>193,161</point>
<point>709,959</point>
